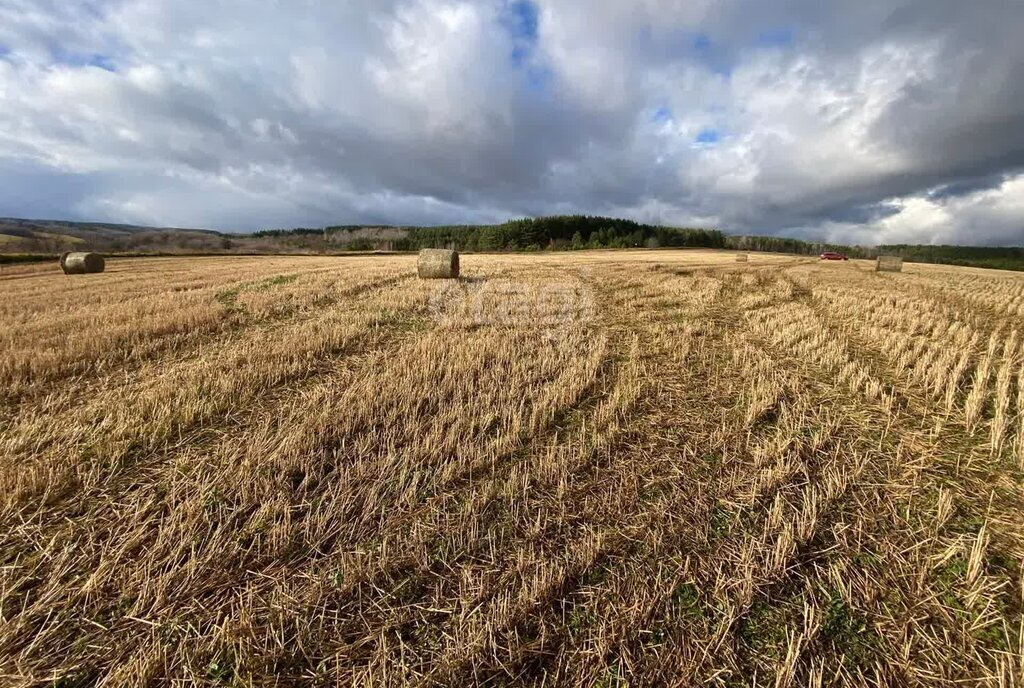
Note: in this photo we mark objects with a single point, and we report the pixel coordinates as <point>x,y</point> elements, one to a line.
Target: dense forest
<point>559,233</point>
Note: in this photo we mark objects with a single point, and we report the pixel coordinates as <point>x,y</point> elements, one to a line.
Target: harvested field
<point>589,469</point>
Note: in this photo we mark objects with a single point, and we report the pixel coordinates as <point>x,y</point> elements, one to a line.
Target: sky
<point>856,122</point>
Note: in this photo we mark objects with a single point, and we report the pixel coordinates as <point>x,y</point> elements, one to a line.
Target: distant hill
<point>57,236</point>
<point>20,237</point>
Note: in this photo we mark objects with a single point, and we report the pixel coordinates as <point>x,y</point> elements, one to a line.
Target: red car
<point>832,255</point>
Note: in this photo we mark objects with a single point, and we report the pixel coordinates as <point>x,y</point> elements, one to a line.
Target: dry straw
<point>438,263</point>
<point>741,258</point>
<point>81,263</point>
<point>889,264</point>
<point>511,466</point>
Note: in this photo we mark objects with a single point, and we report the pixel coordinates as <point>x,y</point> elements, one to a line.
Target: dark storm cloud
<point>968,186</point>
<point>869,121</point>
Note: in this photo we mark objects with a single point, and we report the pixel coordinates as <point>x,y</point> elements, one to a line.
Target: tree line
<point>564,232</point>
<point>1000,258</point>
<point>570,232</point>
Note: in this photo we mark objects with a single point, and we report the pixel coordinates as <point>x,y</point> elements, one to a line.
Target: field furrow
<point>634,468</point>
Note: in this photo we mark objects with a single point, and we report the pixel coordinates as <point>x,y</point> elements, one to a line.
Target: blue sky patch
<point>538,79</point>
<point>520,19</point>
<point>74,59</point>
<point>519,55</point>
<point>715,56</point>
<point>102,61</point>
<point>662,114</point>
<point>707,136</point>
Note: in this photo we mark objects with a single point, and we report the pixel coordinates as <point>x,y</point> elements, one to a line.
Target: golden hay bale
<point>438,263</point>
<point>889,264</point>
<point>741,258</point>
<point>81,263</point>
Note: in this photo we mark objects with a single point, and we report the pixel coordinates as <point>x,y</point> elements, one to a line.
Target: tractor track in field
<point>175,349</point>
<point>719,476</point>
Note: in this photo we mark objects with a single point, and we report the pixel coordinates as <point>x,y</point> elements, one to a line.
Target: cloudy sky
<point>863,122</point>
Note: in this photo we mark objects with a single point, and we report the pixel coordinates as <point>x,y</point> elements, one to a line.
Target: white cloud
<point>242,115</point>
<point>996,214</point>
<point>446,68</point>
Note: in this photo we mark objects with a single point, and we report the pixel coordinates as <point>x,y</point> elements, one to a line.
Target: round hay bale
<point>81,263</point>
<point>741,258</point>
<point>889,264</point>
<point>438,263</point>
